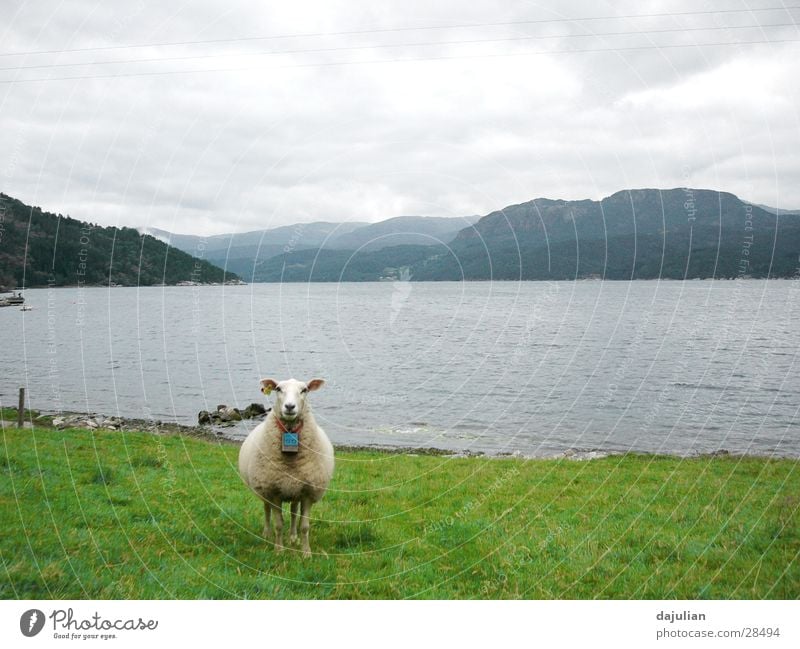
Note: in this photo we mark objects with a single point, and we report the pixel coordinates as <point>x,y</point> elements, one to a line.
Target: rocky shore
<point>212,425</point>
<point>215,423</point>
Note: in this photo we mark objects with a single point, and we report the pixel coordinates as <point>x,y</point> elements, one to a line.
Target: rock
<point>90,423</point>
<point>203,417</point>
<point>230,414</point>
<point>221,406</point>
<point>59,422</point>
<point>254,410</point>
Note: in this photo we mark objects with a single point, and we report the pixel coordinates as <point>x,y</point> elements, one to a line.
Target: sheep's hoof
<point>266,533</point>
<point>307,553</point>
<point>293,540</point>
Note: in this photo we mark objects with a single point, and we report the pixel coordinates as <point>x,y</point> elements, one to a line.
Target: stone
<point>59,422</point>
<point>230,414</point>
<point>203,417</point>
<point>254,410</point>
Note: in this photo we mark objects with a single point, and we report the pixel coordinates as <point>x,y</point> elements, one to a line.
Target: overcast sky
<point>332,134</point>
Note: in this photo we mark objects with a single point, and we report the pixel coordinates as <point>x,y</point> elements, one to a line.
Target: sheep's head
<point>290,396</point>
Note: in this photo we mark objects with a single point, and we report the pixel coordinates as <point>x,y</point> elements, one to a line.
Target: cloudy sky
<point>239,115</point>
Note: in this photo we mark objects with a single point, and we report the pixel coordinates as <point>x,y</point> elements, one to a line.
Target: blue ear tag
<point>291,442</point>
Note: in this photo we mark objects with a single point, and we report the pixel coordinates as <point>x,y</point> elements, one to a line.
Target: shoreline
<point>76,420</point>
<point>788,278</point>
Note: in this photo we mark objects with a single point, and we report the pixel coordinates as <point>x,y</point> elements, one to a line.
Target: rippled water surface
<point>535,367</point>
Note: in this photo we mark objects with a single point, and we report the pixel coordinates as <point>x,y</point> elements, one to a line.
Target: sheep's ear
<point>268,385</point>
<point>315,384</point>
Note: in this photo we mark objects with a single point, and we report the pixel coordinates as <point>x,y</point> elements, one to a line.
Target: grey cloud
<point>267,146</point>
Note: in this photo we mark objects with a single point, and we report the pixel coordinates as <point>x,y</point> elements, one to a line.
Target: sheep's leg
<point>267,527</point>
<point>277,513</point>
<point>293,526</point>
<point>305,509</point>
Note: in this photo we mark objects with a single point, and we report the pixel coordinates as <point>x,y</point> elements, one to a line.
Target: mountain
<point>300,235</point>
<point>323,265</point>
<point>777,210</point>
<point>245,253</point>
<point>401,230</point>
<point>241,252</point>
<point>43,249</point>
<point>632,234</point>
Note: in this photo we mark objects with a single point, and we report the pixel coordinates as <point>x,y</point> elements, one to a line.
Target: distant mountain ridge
<point>245,253</point>
<point>632,234</point>
<point>680,233</point>
<point>44,249</point>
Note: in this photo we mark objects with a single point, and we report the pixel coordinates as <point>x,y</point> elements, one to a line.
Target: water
<point>535,367</point>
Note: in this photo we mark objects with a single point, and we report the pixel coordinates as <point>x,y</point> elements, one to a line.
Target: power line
<point>391,45</point>
<point>406,60</point>
<point>404,29</point>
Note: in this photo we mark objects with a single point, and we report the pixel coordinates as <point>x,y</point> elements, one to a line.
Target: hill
<point>402,230</point>
<point>42,249</point>
<point>632,234</point>
<point>242,252</point>
<point>247,253</point>
<point>323,265</point>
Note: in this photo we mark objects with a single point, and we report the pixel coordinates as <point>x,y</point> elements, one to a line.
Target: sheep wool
<point>301,477</point>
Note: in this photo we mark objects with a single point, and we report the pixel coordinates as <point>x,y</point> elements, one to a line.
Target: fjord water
<point>534,367</point>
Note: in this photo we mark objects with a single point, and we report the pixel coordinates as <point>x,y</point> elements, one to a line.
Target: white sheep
<point>277,472</point>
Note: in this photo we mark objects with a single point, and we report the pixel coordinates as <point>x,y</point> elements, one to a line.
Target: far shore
<point>792,278</point>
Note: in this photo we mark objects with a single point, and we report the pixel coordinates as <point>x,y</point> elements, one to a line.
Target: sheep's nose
<point>289,407</point>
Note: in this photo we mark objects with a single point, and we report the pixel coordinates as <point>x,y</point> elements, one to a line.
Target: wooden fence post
<point>21,408</point>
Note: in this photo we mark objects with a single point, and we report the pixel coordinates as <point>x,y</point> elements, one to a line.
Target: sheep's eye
<point>304,390</point>
<point>277,389</point>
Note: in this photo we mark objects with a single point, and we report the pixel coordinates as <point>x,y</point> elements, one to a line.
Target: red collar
<point>282,427</point>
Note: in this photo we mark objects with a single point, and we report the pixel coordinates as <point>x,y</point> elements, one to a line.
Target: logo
<point>31,622</point>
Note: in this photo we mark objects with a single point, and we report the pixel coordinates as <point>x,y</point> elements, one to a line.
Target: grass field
<point>135,515</point>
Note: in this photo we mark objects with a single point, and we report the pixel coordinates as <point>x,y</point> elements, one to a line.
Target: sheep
<point>276,475</point>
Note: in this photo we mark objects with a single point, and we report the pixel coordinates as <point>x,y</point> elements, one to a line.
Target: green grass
<point>132,515</point>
